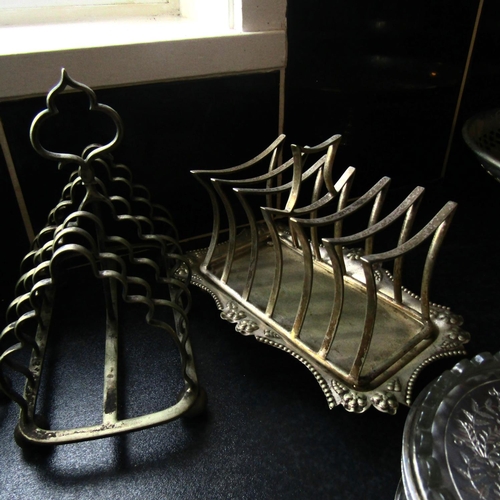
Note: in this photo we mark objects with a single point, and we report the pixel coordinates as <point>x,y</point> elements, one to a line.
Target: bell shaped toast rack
<point>127,245</point>
<point>286,271</point>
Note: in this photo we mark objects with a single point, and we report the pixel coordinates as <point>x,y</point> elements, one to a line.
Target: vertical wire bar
<point>318,184</point>
<point>330,158</point>
<point>338,301</point>
<point>281,127</point>
<point>377,207</point>
<point>269,182</point>
<point>278,160</point>
<point>182,299</point>
<point>232,232</point>
<point>254,242</point>
<point>32,373</point>
<point>110,386</point>
<point>110,397</point>
<point>403,236</point>
<point>278,266</point>
<point>215,225</point>
<point>370,315</point>
<point>430,260</point>
<point>5,386</point>
<point>308,279</point>
<point>296,179</point>
<point>37,358</point>
<point>278,197</point>
<point>295,189</point>
<point>343,197</point>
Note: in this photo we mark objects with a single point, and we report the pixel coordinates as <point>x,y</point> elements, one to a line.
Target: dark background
<point>385,75</point>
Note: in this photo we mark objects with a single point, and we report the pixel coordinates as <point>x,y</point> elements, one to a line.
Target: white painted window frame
<point>137,48</point>
<point>27,4</point>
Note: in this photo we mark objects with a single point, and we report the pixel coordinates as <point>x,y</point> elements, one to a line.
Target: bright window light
<point>18,4</point>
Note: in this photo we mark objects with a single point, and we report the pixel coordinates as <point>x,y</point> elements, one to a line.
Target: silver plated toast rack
<point>282,267</point>
<point>127,245</point>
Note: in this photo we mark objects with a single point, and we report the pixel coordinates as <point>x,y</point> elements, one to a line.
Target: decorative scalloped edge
<point>330,398</point>
<point>196,281</point>
<point>411,381</point>
<point>385,398</point>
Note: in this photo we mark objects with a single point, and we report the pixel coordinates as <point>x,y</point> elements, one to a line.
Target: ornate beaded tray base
<point>105,231</point>
<point>287,271</point>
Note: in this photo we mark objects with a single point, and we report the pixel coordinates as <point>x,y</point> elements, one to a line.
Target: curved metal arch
<point>52,110</point>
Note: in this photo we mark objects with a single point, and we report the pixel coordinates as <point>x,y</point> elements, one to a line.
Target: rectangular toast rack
<point>285,270</point>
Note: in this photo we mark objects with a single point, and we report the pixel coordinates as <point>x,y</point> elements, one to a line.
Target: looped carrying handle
<point>84,169</point>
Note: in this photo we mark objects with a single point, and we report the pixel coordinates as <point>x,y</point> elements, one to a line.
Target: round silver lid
<point>451,441</point>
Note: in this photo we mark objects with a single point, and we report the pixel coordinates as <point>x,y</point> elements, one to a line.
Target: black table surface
<point>267,431</point>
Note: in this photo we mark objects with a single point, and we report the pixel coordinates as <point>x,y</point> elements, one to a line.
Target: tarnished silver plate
<point>107,225</point>
<point>287,271</point>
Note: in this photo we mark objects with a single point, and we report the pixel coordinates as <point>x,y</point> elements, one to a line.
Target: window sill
<point>130,51</point>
